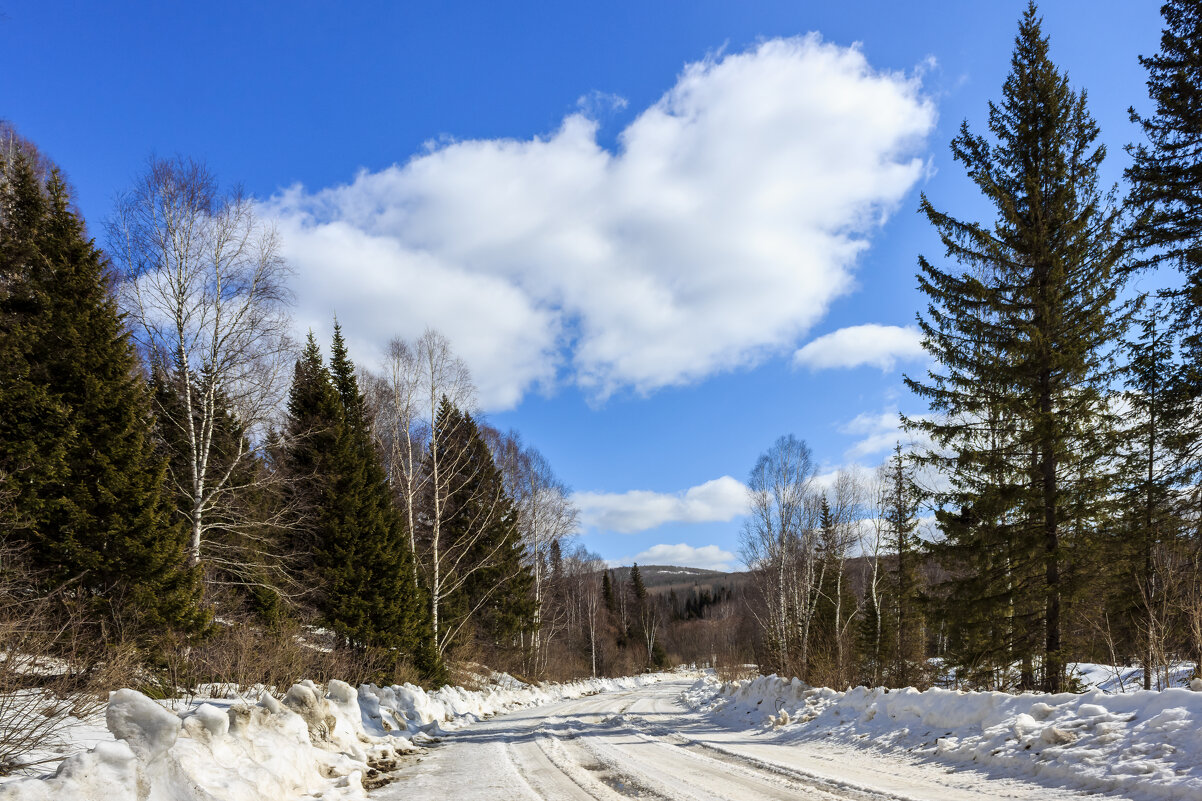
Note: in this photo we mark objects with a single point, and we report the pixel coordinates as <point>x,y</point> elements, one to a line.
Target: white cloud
<point>877,345</point>
<point>718,232</point>
<point>707,557</point>
<point>720,500</point>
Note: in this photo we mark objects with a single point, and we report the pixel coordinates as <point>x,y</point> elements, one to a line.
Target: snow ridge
<point>1146,743</point>
<point>315,743</point>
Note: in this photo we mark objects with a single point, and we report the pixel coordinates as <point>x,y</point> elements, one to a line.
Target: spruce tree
<point>636,584</point>
<point>1152,466</point>
<point>35,427</point>
<point>1021,331</point>
<point>95,515</point>
<point>357,547</point>
<point>1166,171</point>
<point>906,622</point>
<point>1166,180</point>
<point>491,588</point>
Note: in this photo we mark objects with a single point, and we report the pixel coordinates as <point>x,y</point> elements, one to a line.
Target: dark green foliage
<point>35,427</point>
<point>492,594</point>
<point>1166,171</point>
<point>1021,330</point>
<point>356,547</point>
<point>700,601</point>
<point>1151,530</point>
<point>906,625</point>
<point>1166,179</point>
<point>78,426</point>
<point>636,584</point>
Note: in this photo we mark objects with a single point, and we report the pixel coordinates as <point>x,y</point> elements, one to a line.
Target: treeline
<point>185,494</point>
<point>1057,471</point>
<point>623,626</point>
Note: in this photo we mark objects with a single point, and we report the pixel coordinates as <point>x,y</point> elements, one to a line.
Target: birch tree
<point>401,427</point>
<point>778,545</point>
<point>593,605</point>
<point>872,537</point>
<point>204,284</point>
<point>546,517</point>
<point>843,508</point>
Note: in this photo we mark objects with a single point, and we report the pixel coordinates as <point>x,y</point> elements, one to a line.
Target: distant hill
<point>665,578</point>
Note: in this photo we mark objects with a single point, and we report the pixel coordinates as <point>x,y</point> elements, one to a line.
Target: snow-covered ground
<point>649,743</point>
<point>1125,679</point>
<point>1144,744</point>
<point>683,735</point>
<point>328,743</point>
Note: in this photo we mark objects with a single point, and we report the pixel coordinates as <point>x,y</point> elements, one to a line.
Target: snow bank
<point>407,707</point>
<point>316,742</point>
<point>1143,743</point>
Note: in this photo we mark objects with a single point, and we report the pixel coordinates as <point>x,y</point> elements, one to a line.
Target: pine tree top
<point>636,582</point>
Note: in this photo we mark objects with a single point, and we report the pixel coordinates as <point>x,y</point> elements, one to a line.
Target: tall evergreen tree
<point>1152,464</point>
<point>637,589</point>
<point>1029,315</point>
<point>357,546</point>
<point>1166,171</point>
<point>489,583</point>
<point>95,514</point>
<point>901,505</point>
<point>1166,180</point>
<point>35,427</point>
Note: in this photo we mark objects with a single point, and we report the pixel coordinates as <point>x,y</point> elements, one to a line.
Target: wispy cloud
<point>720,500</point>
<point>879,432</point>
<point>720,229</point>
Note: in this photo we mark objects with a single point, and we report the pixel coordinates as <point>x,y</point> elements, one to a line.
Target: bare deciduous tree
<point>546,517</point>
<point>403,427</point>
<point>778,544</point>
<point>205,286</point>
<point>846,500</point>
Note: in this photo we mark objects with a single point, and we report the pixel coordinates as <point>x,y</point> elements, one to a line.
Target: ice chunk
<point>149,729</point>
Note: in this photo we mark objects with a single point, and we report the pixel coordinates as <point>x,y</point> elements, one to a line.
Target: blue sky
<point>628,218</point>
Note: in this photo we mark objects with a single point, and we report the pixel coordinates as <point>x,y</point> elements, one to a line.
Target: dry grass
<point>242,656</point>
<point>50,672</point>
<point>732,671</point>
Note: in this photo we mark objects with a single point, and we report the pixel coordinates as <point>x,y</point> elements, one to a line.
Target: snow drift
<point>1145,743</point>
<point>315,742</point>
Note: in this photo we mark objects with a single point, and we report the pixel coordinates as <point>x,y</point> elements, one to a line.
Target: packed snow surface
<point>316,742</point>
<point>647,743</point>
<point>1144,744</point>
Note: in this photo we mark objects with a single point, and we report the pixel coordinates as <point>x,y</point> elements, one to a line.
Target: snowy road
<point>645,744</point>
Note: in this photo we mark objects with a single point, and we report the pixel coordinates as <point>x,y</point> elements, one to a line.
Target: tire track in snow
<point>645,744</point>
<point>680,773</point>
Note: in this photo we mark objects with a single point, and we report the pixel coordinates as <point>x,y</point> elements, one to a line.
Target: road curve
<point>645,744</point>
